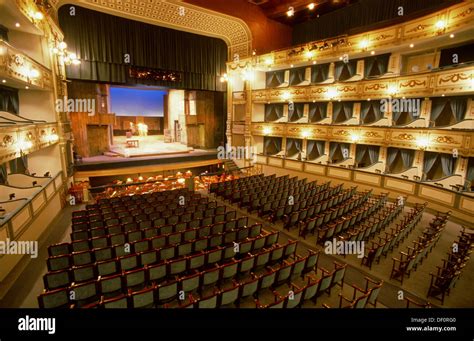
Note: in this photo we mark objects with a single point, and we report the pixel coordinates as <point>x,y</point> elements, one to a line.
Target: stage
<point>140,146</point>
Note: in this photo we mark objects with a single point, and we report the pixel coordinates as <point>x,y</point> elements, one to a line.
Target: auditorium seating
<point>448,274</point>
<point>410,260</point>
<point>392,238</point>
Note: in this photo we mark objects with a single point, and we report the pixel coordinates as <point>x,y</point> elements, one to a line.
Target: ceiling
<point>277,9</point>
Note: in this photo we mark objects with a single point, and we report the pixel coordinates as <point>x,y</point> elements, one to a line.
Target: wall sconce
<point>440,26</point>
<point>33,74</point>
<point>305,134</point>
<point>248,75</point>
<point>331,93</point>
<point>364,44</point>
<point>268,61</point>
<point>355,137</point>
<point>392,90</point>
<point>422,142</point>
<point>267,131</point>
<point>309,55</point>
<point>224,78</point>
<point>286,95</point>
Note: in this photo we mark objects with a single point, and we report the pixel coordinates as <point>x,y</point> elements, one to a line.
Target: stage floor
<point>153,145</point>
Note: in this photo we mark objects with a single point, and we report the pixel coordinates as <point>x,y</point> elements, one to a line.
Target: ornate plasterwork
<point>177,15</point>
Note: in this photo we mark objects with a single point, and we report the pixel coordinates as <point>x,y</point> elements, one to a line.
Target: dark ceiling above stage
<point>277,9</point>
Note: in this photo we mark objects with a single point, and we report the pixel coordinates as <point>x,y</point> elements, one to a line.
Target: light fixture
<point>451,35</point>
<point>23,145</point>
<point>291,65</point>
<point>129,180</point>
<point>248,75</point>
<point>311,6</point>
<point>286,95</point>
<point>309,54</point>
<point>331,93</point>
<point>62,45</point>
<point>267,131</point>
<point>268,61</point>
<point>27,87</point>
<point>392,90</point>
<point>52,137</point>
<point>440,25</point>
<point>372,53</point>
<point>305,134</point>
<point>254,52</point>
<point>412,45</point>
<point>368,99</point>
<point>17,24</point>
<point>314,62</point>
<point>76,62</point>
<point>340,58</point>
<point>4,81</point>
<point>33,73</point>
<point>364,44</point>
<point>140,178</point>
<point>224,78</point>
<point>290,12</point>
<point>355,137</point>
<point>38,15</point>
<point>422,142</point>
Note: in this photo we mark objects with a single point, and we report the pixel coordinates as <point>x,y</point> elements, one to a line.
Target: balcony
<point>20,71</point>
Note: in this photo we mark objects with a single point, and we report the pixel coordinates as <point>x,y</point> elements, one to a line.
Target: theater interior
<point>236,154</point>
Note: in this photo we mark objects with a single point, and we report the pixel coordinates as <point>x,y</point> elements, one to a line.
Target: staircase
<point>231,167</point>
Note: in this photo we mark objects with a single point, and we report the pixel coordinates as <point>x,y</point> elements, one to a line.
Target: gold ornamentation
<point>418,28</point>
<point>7,141</point>
<point>445,139</point>
<point>346,89</point>
<point>465,13</point>
<point>405,137</point>
<point>412,83</point>
<point>376,86</point>
<point>454,78</point>
<point>372,134</point>
<point>382,37</point>
<point>341,132</point>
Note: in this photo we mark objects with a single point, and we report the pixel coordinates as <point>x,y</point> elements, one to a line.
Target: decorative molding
<point>178,15</point>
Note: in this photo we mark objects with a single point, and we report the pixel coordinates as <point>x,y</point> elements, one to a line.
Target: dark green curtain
<point>9,100</point>
<point>3,173</point>
<point>360,14</point>
<point>103,42</point>
<point>319,73</point>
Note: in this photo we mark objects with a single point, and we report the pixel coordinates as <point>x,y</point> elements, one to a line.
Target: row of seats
<point>414,256</point>
<point>179,223</point>
<point>373,219</point>
<point>268,205</point>
<point>448,274</point>
<point>391,239</point>
<point>315,227</point>
<point>206,263</point>
<point>166,246</point>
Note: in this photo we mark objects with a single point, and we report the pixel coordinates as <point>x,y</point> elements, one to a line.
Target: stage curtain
<point>360,14</point>
<point>319,73</point>
<point>103,42</point>
<point>297,75</point>
<point>9,100</point>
